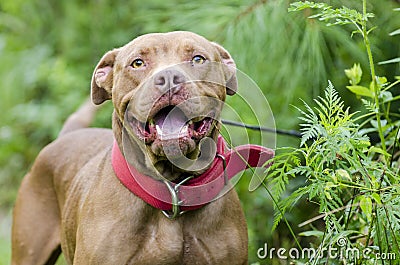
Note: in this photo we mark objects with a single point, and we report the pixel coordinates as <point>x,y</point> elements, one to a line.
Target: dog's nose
<point>169,80</point>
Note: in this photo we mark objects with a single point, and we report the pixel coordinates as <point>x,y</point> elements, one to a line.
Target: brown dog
<point>72,198</point>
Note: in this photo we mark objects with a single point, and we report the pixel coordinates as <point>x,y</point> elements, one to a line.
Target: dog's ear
<point>230,70</point>
<point>102,79</point>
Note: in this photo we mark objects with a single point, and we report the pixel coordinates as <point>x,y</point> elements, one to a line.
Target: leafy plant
<point>354,182</point>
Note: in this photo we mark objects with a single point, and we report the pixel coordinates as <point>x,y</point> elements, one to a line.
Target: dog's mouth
<point>171,132</point>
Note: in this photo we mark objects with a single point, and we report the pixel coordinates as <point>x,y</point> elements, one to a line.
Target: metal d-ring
<point>224,166</point>
<point>175,202</point>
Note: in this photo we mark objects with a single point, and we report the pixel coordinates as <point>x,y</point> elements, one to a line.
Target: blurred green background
<point>48,50</point>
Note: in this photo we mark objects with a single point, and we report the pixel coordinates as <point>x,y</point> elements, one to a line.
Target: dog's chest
<point>169,242</point>
<point>141,236</point>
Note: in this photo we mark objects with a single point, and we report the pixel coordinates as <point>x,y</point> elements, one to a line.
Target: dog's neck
<point>118,127</point>
<point>194,192</point>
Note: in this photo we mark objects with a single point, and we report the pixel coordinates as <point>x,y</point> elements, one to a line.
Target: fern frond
<point>327,117</point>
<point>288,203</point>
<point>279,171</point>
<point>332,16</point>
<point>311,128</point>
<point>370,106</point>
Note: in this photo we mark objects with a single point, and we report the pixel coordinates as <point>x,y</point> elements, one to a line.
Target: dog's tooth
<point>167,136</point>
<point>159,131</point>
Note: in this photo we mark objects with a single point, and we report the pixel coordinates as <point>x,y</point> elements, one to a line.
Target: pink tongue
<point>170,121</point>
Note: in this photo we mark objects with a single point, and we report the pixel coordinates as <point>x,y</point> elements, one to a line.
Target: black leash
<point>263,129</point>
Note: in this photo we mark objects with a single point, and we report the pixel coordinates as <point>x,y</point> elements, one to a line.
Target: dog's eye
<point>137,63</point>
<point>198,59</point>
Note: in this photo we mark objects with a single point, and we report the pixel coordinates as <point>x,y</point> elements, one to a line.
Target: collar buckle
<point>175,201</point>
<point>174,191</point>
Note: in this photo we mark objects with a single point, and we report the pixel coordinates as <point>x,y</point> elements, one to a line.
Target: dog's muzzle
<point>172,128</point>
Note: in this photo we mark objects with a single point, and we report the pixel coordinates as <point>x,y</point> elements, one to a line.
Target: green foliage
<point>333,16</point>
<point>342,174</point>
<point>354,182</point>
<point>48,50</point>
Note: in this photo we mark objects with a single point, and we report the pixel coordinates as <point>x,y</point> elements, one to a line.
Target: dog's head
<point>168,90</point>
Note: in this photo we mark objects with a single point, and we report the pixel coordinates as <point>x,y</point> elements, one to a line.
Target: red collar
<point>198,191</point>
